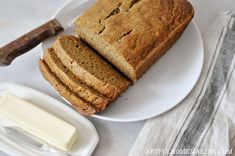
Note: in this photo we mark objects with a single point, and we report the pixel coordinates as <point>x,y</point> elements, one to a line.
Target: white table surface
<point>19,16</point>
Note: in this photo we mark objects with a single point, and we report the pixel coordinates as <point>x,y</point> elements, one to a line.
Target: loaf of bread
<point>133,34</point>
<point>89,67</point>
<point>78,103</point>
<point>129,35</point>
<point>73,82</point>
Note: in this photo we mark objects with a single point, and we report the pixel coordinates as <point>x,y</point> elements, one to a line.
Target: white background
<point>19,16</point>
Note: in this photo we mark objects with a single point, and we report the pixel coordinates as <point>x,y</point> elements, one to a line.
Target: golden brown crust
<point>160,50</point>
<point>73,82</point>
<point>79,104</point>
<point>128,32</point>
<point>84,63</point>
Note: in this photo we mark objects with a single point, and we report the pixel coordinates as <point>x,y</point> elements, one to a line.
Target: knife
<point>3,153</point>
<point>23,138</point>
<point>51,28</point>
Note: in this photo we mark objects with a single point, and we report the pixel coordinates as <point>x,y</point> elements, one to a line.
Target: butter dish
<point>85,144</point>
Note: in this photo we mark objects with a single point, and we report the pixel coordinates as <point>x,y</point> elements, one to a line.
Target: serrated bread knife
<point>51,28</point>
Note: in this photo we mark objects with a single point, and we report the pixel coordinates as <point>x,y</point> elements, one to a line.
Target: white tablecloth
<point>20,16</point>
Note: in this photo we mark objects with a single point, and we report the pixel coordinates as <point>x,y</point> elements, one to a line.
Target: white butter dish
<point>88,138</point>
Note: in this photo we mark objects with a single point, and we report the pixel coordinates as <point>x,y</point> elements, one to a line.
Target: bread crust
<point>133,34</point>
<point>79,104</point>
<point>112,88</point>
<point>73,82</point>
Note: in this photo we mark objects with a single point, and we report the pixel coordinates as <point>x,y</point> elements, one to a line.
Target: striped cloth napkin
<point>204,123</point>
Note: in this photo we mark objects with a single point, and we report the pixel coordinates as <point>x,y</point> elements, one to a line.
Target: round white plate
<point>164,86</point>
<point>88,137</point>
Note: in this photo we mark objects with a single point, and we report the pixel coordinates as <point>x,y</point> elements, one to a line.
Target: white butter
<point>38,122</point>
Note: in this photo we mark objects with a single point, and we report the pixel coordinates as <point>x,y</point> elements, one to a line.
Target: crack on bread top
<point>173,8</point>
<point>133,2</point>
<point>102,30</point>
<point>115,11</point>
<point>124,35</point>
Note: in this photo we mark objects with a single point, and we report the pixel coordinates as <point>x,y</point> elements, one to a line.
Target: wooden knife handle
<point>28,41</point>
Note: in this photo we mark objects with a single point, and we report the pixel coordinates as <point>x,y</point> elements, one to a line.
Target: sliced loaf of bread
<point>91,68</point>
<point>78,103</point>
<point>73,82</point>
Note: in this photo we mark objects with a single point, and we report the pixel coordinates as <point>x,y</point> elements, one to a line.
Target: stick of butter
<point>38,122</point>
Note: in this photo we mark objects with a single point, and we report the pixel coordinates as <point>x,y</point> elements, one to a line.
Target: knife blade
<point>3,153</point>
<point>55,26</point>
<point>21,137</point>
<point>72,10</point>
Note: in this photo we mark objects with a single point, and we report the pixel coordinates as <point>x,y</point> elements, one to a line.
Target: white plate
<point>88,137</point>
<point>164,86</point>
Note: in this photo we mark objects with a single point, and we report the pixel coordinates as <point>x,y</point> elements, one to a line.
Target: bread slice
<point>79,104</point>
<point>73,82</point>
<point>84,63</point>
<point>133,34</point>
